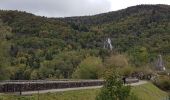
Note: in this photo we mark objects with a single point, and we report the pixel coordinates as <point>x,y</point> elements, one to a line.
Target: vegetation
<point>34,47</point>
<point>69,95</point>
<point>113,88</point>
<point>89,68</point>
<point>163,82</point>
<point>149,92</point>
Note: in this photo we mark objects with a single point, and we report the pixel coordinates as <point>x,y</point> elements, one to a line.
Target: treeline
<point>34,47</point>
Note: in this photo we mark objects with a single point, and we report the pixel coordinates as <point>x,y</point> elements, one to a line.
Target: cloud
<point>63,8</point>
<point>58,8</point>
<point>117,5</point>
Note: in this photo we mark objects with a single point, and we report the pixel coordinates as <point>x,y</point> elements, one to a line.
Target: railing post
<point>20,89</point>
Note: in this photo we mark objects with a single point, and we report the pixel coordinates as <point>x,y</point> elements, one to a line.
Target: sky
<point>67,8</point>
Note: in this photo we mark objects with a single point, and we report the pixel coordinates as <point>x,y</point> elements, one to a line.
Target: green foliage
<point>163,82</point>
<point>126,71</point>
<point>113,88</point>
<point>117,60</point>
<point>140,32</point>
<point>120,63</point>
<point>4,48</point>
<point>140,56</point>
<point>4,61</point>
<point>89,68</point>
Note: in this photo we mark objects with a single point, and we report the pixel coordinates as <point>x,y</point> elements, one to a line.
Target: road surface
<point>138,83</point>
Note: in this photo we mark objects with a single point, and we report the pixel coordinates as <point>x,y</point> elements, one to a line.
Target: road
<point>138,83</point>
<point>70,89</point>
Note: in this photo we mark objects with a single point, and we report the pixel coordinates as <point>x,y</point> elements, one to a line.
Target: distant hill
<point>109,17</point>
<point>32,42</point>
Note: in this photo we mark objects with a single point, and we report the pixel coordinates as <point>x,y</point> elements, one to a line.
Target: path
<point>138,83</point>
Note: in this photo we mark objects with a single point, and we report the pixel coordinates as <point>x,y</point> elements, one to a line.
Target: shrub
<point>117,61</point>
<point>126,71</point>
<point>113,88</point>
<point>89,68</point>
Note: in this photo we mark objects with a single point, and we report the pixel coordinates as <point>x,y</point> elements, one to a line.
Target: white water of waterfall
<point>110,44</point>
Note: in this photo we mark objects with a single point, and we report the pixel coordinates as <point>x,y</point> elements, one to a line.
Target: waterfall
<point>108,44</point>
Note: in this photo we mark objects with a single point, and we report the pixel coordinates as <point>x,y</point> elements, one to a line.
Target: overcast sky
<point>65,8</point>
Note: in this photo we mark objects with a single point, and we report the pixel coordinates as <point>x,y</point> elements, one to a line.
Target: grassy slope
<point>69,95</point>
<point>149,92</point>
<point>144,92</point>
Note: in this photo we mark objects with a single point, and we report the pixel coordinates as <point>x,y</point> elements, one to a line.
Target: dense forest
<point>35,47</point>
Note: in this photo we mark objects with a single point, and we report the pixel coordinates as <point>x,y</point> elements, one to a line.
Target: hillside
<point>136,25</point>
<point>35,47</point>
<point>109,17</point>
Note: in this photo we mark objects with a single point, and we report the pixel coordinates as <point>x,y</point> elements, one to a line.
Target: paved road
<point>59,90</point>
<point>69,89</point>
<point>138,83</point>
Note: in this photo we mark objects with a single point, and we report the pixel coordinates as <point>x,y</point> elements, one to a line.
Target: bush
<point>117,61</point>
<point>89,68</point>
<point>120,63</point>
<point>126,71</point>
<point>114,89</point>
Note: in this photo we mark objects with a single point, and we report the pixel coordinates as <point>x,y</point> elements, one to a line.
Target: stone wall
<point>33,86</point>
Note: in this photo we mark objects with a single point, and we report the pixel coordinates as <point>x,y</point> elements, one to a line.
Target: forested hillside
<point>35,47</point>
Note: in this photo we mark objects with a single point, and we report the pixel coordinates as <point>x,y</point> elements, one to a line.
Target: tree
<point>139,56</point>
<point>46,70</point>
<point>4,48</point>
<point>126,71</point>
<point>3,61</point>
<point>34,75</point>
<point>113,88</point>
<point>89,68</point>
<point>117,61</point>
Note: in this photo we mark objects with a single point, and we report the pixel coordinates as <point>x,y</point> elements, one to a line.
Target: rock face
<point>160,64</point>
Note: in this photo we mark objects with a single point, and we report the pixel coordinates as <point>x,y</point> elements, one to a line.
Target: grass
<point>144,92</point>
<point>149,92</point>
<point>69,95</point>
